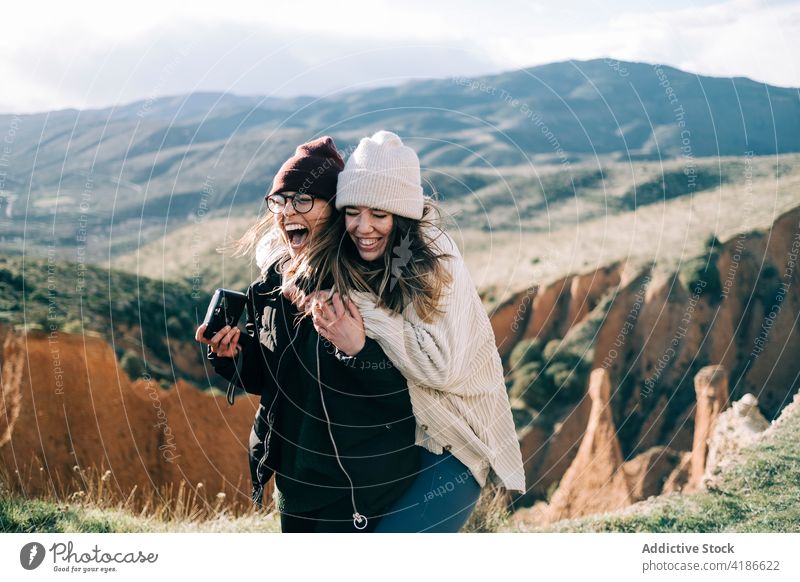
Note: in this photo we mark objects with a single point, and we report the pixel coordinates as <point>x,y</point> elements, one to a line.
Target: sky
<point>87,54</point>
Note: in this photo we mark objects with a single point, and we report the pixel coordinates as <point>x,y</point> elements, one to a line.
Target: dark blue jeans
<point>440,499</point>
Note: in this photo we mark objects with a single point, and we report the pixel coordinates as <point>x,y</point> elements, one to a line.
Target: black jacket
<point>365,397</point>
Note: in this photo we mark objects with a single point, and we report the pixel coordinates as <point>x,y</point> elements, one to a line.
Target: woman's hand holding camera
<point>225,342</point>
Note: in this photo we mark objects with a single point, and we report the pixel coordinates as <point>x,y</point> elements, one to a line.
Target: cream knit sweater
<point>455,377</point>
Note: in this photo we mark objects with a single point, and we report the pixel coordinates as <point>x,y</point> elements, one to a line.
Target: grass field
<point>25,516</point>
<point>758,495</point>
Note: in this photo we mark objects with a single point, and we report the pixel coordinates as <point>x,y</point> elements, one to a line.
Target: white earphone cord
<point>357,517</point>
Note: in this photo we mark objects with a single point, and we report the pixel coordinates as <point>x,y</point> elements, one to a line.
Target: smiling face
<point>369,229</point>
<point>298,229</point>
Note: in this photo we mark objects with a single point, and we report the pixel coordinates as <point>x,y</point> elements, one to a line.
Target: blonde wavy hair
<point>264,240</point>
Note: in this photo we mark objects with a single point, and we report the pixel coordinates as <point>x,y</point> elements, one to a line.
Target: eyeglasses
<point>301,203</point>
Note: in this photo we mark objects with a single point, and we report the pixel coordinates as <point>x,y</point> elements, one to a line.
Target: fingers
<point>338,306</point>
<point>318,316</point>
<point>325,312</point>
<point>352,309</point>
<point>320,296</point>
<point>225,341</point>
<point>311,300</point>
<point>321,325</point>
<point>214,341</point>
<point>198,335</point>
<point>308,301</point>
<point>317,312</point>
<point>231,335</point>
<point>229,343</point>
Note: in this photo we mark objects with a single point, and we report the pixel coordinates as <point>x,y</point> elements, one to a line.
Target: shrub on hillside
<point>701,275</point>
<point>552,376</point>
<point>524,352</point>
<point>669,185</point>
<point>133,365</point>
<point>712,242</point>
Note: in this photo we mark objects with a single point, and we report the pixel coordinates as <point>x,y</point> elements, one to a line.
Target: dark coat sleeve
<point>253,368</point>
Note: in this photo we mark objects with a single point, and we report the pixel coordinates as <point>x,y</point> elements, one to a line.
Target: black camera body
<point>226,308</point>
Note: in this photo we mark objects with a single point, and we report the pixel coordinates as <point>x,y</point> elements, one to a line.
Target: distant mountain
<point>158,161</point>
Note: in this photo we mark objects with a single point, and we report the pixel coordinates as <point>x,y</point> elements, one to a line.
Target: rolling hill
<point>129,174</point>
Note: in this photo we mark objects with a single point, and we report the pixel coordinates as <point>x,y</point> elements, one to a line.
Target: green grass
<point>88,504</point>
<point>19,515</point>
<point>759,494</point>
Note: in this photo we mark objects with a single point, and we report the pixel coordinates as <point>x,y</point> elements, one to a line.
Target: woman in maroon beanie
<point>336,429</point>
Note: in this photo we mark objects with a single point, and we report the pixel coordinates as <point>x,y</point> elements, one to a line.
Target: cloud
<point>735,38</point>
<point>92,54</point>
<point>238,58</point>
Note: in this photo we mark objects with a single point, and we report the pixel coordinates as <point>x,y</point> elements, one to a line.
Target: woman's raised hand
<point>225,342</point>
<point>338,323</point>
<point>309,299</point>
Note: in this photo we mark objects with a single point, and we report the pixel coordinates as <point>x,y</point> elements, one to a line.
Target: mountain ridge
<point>147,167</point>
<point>305,97</point>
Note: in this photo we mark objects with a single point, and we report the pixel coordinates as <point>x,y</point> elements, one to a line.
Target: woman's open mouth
<point>297,235</point>
<point>367,244</point>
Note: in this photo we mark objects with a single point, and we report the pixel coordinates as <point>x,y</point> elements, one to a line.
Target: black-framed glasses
<point>302,203</point>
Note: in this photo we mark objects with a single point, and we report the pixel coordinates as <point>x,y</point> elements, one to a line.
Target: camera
<point>226,308</point>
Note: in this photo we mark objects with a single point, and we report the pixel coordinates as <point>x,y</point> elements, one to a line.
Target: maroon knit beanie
<point>313,169</point>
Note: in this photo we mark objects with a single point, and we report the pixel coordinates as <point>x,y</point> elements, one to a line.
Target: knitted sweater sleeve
<point>430,354</point>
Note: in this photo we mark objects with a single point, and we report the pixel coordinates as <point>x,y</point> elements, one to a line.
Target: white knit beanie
<point>382,173</point>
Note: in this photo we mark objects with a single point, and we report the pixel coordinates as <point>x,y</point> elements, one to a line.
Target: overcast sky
<point>94,54</point>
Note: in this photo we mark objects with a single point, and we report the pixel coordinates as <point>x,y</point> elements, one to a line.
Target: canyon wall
<point>737,307</point>
<point>68,410</point>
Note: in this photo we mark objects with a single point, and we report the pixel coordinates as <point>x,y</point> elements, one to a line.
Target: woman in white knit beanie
<point>400,281</point>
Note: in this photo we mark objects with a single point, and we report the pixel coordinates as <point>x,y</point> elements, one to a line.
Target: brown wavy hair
<point>266,227</point>
<point>411,271</point>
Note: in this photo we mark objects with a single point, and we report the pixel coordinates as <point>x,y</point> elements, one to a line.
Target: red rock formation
<point>552,311</point>
<point>711,386</point>
<point>510,319</point>
<point>533,444</point>
<point>679,476</point>
<point>648,472</point>
<point>547,459</point>
<point>585,292</point>
<point>657,332</point>
<point>68,404</point>
<point>594,482</point>
<point>760,276</point>
<point>681,436</point>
